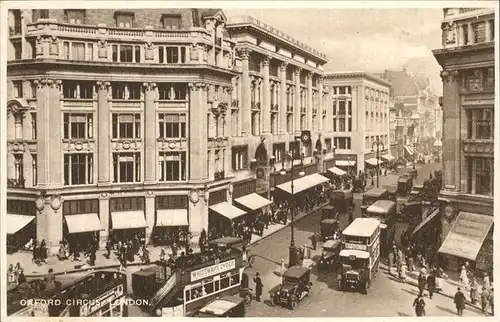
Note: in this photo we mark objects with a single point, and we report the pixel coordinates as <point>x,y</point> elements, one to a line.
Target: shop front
<point>21,224</point>
<point>221,213</point>
<point>470,239</point>
<point>81,223</point>
<point>128,222</point>
<point>347,162</point>
<point>245,197</point>
<point>171,221</point>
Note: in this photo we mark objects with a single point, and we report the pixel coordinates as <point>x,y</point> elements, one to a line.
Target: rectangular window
<point>18,50</point>
<point>126,53</point>
<point>161,54</point>
<point>172,125</point>
<point>78,125</point>
<point>18,89</point>
<point>489,78</point>
<point>118,91</point>
<point>172,55</point>
<point>328,145</point>
<point>342,107</point>
<point>172,166</point>
<point>126,126</point>
<point>124,19</point>
<point>279,151</point>
<point>239,157</point>
<point>349,108</point>
<point>342,125</point>
<point>78,168</point>
<point>86,90</point>
<point>78,51</point>
<point>349,124</point>
<point>171,21</point>
<point>484,121</point>
<point>172,91</point>
<point>127,167</point>
<point>134,91</point>
<point>34,168</point>
<point>75,16</point>
<point>18,168</point>
<point>481,176</point>
<point>33,126</point>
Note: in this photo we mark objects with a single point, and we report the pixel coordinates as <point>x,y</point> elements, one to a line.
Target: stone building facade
<point>361,115</point>
<point>467,59</point>
<point>145,118</point>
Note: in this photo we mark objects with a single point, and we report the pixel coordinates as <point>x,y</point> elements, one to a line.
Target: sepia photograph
<point>248,159</point>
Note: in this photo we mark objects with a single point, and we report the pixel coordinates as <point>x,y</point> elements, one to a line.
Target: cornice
<point>345,75</point>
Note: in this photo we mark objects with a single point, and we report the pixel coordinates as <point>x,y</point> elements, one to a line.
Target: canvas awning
<point>171,217</point>
<point>128,219</point>
<point>253,201</point>
<point>82,223</point>
<point>424,222</point>
<point>345,163</point>
<point>467,235</point>
<point>409,149</point>
<point>388,157</point>
<point>337,171</point>
<point>374,161</point>
<point>227,210</point>
<point>304,183</point>
<point>17,222</point>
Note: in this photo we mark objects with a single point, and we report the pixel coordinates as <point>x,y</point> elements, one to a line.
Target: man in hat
<point>258,286</point>
<point>419,305</point>
<point>459,302</point>
<point>422,280</point>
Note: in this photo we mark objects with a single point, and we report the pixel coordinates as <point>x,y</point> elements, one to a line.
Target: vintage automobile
<point>358,185</point>
<point>296,285</point>
<point>405,184</point>
<point>328,228</point>
<point>411,211</point>
<point>330,254</point>
<point>372,196</point>
<point>224,307</point>
<point>328,212</point>
<point>342,200</point>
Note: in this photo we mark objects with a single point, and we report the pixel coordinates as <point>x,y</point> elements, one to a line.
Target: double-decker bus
<point>360,254</point>
<point>385,211</point>
<point>174,289</point>
<point>101,293</point>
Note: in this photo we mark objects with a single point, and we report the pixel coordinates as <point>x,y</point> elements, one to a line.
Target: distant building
<point>468,62</point>
<point>361,117</point>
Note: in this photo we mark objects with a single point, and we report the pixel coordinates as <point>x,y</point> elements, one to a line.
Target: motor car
<point>329,254</point>
<point>405,185</point>
<point>224,307</point>
<point>295,286</point>
<point>328,227</point>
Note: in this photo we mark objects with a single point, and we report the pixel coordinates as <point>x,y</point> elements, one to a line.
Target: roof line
<point>349,74</point>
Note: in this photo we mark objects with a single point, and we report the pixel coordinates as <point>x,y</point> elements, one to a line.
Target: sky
<point>371,40</point>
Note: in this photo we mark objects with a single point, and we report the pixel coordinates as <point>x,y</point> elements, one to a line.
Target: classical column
<point>11,125</point>
<point>282,102</point>
<point>470,34</point>
<point>104,218</point>
<point>266,97</point>
<point>49,225</point>
<point>103,136</point>
<point>309,101</point>
<point>451,129</point>
<point>297,107</point>
<point>197,132</point>
<point>27,126</point>
<point>150,132</point>
<point>27,168</point>
<point>321,105</point>
<point>245,93</point>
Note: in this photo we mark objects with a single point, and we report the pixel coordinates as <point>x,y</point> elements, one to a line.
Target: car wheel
<point>293,302</point>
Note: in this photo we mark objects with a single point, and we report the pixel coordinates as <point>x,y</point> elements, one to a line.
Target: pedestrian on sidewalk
<point>484,300</point>
<point>422,280</point>
<point>464,279</point>
<point>34,257</point>
<point>419,305</point>
<point>43,251</point>
<point>473,291</point>
<point>109,247</point>
<point>314,241</point>
<point>258,286</point>
<point>390,260</point>
<point>459,301</point>
<point>431,284</point>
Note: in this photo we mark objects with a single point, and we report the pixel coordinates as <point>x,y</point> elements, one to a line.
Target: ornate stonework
<point>283,66</point>
<point>266,60</point>
<point>449,75</point>
<point>149,86</point>
<point>244,52</point>
<point>103,86</point>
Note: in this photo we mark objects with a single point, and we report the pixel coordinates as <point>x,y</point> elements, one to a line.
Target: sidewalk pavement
<point>32,270</point>
<point>448,286</point>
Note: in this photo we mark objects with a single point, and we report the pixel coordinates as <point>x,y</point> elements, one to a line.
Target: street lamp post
<point>293,254</point>
<point>414,159</point>
<point>378,144</point>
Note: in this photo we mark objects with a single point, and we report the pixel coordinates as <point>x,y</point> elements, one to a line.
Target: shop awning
<point>467,235</point>
<point>388,157</point>
<point>227,210</point>
<point>438,144</point>
<point>409,149</point>
<point>83,223</point>
<point>128,219</point>
<point>303,183</point>
<point>337,171</point>
<point>171,217</point>
<point>17,222</point>
<point>424,222</point>
<point>253,201</point>
<point>345,163</point>
<point>374,161</point>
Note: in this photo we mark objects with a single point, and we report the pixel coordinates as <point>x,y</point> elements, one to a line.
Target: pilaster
<point>321,105</point>
<point>470,34</point>
<point>150,132</point>
<point>104,215</point>
<point>27,168</point>
<point>11,126</point>
<point>104,135</point>
<point>309,101</point>
<point>266,97</point>
<point>197,132</point>
<point>27,126</point>
<point>11,168</point>
<point>297,107</point>
<point>329,111</point>
<point>282,99</point>
<point>245,92</point>
<point>451,129</point>
<point>150,212</point>
<point>49,223</point>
